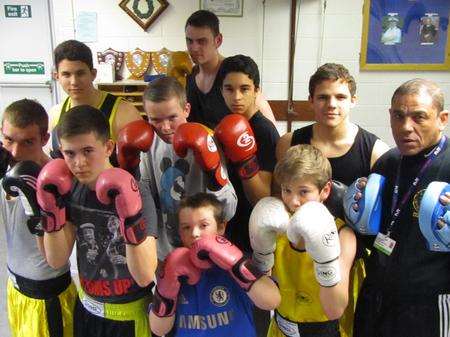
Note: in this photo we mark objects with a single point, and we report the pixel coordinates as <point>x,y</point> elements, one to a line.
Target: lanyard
<point>396,206</point>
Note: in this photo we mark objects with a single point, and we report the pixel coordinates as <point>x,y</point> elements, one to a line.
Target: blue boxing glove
<point>367,218</point>
<point>434,218</point>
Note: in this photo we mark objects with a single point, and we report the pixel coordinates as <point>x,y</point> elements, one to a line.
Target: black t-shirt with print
<point>101,256</point>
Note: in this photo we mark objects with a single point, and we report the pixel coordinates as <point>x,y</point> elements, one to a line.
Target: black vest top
<point>353,164</point>
<point>209,108</point>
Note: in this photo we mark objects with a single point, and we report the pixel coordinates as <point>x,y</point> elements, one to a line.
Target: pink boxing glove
<point>176,265</point>
<point>53,185</point>
<point>220,251</point>
<point>118,185</point>
<point>238,141</point>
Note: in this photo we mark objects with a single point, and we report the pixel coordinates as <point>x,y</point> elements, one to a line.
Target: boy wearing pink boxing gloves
<point>208,287</point>
<point>79,195</point>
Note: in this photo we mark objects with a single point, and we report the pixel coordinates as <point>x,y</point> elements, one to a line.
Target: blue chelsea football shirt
<point>216,307</point>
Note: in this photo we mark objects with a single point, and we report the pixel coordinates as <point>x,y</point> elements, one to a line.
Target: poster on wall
<point>86,27</point>
<point>405,35</point>
<point>223,7</point>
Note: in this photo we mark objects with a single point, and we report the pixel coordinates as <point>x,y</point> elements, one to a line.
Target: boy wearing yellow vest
<point>311,253</point>
<point>75,72</point>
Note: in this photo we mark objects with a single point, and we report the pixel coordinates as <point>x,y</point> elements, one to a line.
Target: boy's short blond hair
<point>303,162</point>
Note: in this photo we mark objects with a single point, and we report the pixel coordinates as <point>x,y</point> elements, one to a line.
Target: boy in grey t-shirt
<point>34,287</point>
<point>182,160</point>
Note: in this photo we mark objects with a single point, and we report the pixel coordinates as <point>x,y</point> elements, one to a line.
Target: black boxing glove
<point>5,160</point>
<point>20,181</point>
<point>335,201</point>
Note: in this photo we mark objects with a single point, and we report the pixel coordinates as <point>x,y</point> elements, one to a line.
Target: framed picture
<point>223,7</point>
<point>144,12</point>
<point>405,35</point>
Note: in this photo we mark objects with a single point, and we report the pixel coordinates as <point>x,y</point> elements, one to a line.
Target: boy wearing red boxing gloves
<point>78,196</point>
<point>179,159</point>
<point>207,287</point>
<point>248,140</point>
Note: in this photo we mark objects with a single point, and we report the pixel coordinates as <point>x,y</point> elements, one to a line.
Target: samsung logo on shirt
<point>205,322</point>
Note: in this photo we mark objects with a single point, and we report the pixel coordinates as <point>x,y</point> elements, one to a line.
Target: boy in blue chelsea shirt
<point>208,287</point>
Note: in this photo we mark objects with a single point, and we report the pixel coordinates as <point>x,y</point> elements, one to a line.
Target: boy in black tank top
<point>249,141</point>
<point>350,149</point>
<point>203,40</point>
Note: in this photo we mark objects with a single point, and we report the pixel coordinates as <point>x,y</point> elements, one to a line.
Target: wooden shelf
<point>121,93</point>
<point>130,91</point>
<point>123,83</point>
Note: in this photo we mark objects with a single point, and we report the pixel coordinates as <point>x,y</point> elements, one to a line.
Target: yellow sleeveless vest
<point>112,115</point>
<point>300,302</point>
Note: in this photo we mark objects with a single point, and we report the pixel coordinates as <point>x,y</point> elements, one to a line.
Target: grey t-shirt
<point>171,178</point>
<point>24,257</point>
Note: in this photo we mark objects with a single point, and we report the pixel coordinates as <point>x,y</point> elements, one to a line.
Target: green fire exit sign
<point>24,68</point>
<point>18,11</point>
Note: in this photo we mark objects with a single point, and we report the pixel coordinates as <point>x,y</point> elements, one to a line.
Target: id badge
<point>384,244</point>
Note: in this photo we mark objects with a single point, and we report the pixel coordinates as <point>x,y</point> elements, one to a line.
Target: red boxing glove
<point>226,256</point>
<point>238,141</point>
<point>176,265</point>
<point>53,185</point>
<point>118,185</point>
<point>198,138</point>
<point>133,138</point>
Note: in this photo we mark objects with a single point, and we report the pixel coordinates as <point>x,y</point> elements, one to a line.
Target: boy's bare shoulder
<point>284,143</point>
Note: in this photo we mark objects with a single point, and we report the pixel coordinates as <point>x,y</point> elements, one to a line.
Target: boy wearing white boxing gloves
<point>310,252</point>
<point>208,287</point>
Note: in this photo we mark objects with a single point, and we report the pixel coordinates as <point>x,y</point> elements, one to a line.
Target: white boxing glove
<point>269,218</point>
<point>315,224</point>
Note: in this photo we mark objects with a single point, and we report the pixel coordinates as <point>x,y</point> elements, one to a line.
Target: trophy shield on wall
<point>160,60</point>
<point>137,61</point>
<point>113,57</point>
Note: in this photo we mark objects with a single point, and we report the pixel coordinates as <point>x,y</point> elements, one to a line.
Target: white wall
<point>17,35</point>
<point>331,35</point>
